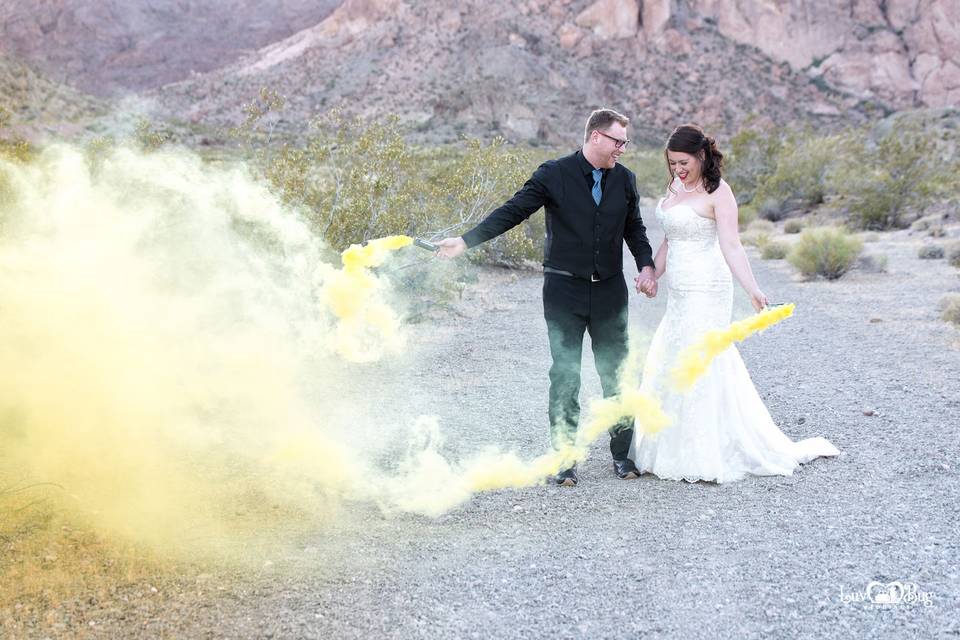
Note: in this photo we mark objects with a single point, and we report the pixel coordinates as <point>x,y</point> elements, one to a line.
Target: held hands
<point>451,247</point>
<point>646,282</point>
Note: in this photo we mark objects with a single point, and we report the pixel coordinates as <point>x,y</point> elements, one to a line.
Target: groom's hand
<point>451,247</point>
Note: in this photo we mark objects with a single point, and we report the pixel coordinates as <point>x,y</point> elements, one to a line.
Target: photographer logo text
<point>888,595</point>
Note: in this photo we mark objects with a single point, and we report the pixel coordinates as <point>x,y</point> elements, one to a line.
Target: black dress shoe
<point>567,477</point>
<point>625,469</point>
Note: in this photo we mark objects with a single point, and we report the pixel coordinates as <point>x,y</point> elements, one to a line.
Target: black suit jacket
<point>582,237</point>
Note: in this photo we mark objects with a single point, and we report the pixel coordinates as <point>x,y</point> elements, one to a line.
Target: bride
<point>721,430</point>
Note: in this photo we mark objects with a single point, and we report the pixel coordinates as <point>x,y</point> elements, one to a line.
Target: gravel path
<point>765,557</point>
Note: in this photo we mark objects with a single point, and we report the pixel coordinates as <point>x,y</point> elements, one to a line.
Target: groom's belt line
<point>560,272</point>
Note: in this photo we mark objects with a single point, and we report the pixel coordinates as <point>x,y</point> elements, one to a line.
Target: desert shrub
<point>774,250</point>
<point>764,226</point>
<point>359,179</point>
<point>474,179</point>
<point>950,308</point>
<point>827,252</point>
<point>755,238</point>
<point>149,136</point>
<point>651,171</point>
<point>793,225</point>
<point>902,171</point>
<point>751,158</point>
<point>14,148</point>
<point>758,233</point>
<point>745,215</point>
<point>953,254</point>
<point>923,224</point>
<point>930,252</point>
<point>872,262</point>
<point>799,177</point>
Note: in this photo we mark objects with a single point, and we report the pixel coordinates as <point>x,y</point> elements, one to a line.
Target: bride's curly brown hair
<point>690,138</point>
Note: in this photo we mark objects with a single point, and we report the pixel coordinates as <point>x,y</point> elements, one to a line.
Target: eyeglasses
<point>617,142</point>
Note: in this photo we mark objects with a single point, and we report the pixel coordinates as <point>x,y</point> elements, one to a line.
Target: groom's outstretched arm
<point>534,194</point>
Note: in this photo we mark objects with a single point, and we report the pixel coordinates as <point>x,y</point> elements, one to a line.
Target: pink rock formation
<point>611,18</point>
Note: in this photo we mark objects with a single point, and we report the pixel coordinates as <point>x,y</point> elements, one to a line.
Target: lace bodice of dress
<point>694,260</point>
<point>682,223</point>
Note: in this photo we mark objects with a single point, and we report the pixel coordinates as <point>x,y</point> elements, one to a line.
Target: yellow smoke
<point>694,361</point>
<point>367,326</point>
<point>157,315</point>
<point>168,330</point>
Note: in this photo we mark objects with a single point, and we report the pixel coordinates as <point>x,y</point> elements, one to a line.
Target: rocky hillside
<point>905,53</point>
<point>531,69</point>
<point>39,106</point>
<point>106,47</point>
<point>527,69</point>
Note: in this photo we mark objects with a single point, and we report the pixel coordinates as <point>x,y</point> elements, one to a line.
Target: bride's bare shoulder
<point>723,192</point>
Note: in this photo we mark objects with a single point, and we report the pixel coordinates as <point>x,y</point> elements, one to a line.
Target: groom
<point>591,208</point>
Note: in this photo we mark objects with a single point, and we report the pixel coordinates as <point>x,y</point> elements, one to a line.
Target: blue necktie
<point>597,176</point>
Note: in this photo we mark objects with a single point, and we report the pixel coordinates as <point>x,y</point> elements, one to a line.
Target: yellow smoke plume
<point>694,361</point>
<point>367,326</point>
<point>158,317</point>
<point>168,332</point>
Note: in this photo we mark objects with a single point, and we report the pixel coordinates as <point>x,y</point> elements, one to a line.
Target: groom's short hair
<point>601,119</point>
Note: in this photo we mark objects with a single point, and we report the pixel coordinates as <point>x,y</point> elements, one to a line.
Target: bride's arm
<point>728,232</point>
<point>660,260</point>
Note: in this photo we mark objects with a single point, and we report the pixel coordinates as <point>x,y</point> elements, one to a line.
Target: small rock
<point>869,412</point>
<point>801,420</point>
<point>875,320</point>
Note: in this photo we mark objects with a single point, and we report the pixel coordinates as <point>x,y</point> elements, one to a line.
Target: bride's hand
<point>759,300</point>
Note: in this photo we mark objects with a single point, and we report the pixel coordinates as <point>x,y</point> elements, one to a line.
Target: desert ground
<point>865,362</point>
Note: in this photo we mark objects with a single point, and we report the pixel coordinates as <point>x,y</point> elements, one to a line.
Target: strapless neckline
<point>677,206</point>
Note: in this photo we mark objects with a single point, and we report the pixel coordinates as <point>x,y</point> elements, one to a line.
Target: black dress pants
<point>570,306</point>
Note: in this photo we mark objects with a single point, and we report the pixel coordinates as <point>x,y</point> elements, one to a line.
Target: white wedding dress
<point>720,430</point>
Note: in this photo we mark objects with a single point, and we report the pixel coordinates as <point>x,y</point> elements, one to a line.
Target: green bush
<point>903,171</point>
<point>793,225</point>
<point>651,170</point>
<point>827,252</point>
<point>923,224</point>
<point>950,308</point>
<point>763,226</point>
<point>953,254</point>
<point>745,215</point>
<point>359,179</point>
<point>757,239</point>
<point>751,158</point>
<point>774,250</point>
<point>758,233</point>
<point>12,148</point>
<point>930,252</point>
<point>799,179</point>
